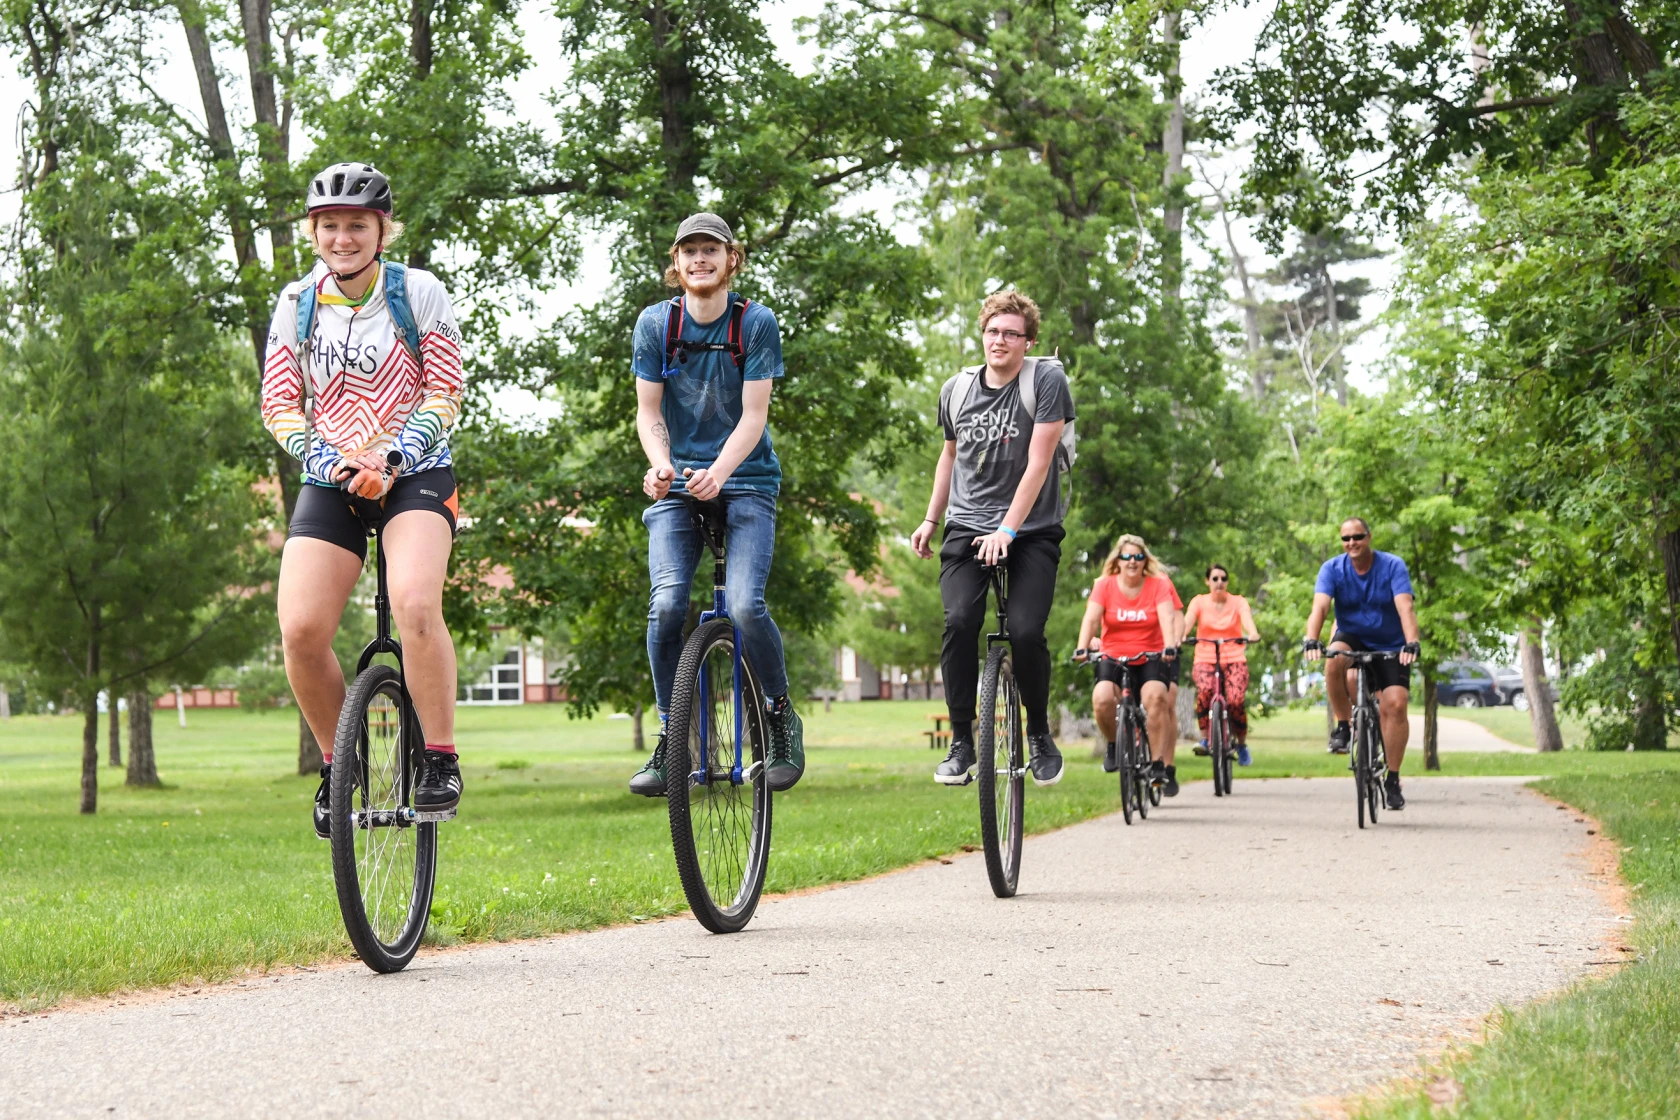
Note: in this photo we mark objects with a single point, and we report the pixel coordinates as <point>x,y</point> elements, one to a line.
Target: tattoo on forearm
<point>662,434</point>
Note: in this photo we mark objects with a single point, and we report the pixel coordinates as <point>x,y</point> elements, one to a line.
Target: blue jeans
<point>675,549</point>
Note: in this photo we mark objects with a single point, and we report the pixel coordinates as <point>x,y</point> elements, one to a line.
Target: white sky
<point>1224,40</point>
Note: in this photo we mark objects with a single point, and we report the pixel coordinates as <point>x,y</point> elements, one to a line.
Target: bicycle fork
<point>720,609</point>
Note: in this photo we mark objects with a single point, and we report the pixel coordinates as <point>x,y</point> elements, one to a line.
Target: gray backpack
<point>963,384</point>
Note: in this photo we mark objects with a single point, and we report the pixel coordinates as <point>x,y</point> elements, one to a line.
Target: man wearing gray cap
<point>704,364</point>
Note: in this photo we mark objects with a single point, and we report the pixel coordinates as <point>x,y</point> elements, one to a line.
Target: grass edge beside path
<point>1606,1046</point>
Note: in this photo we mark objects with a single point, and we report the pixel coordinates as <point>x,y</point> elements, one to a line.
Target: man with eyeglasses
<point>999,474</point>
<point>1372,594</point>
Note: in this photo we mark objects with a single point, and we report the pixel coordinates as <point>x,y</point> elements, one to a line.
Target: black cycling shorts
<point>1142,671</point>
<point>1172,669</point>
<point>324,513</point>
<point>1387,673</point>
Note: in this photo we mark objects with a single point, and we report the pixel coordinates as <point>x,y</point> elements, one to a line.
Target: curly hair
<point>1151,566</point>
<point>1011,302</point>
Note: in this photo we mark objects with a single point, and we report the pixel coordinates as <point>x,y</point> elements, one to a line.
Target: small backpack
<point>963,384</point>
<point>679,348</point>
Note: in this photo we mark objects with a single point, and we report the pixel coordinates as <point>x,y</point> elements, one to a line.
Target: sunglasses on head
<point>1138,556</point>
<point>1353,537</point>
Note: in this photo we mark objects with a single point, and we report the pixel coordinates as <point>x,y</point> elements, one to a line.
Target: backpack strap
<point>1029,388</point>
<point>961,386</point>
<point>402,314</point>
<point>675,343</point>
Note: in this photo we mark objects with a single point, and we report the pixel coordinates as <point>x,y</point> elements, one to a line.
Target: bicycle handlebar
<point>1134,659</point>
<point>1364,654</point>
<point>1217,641</point>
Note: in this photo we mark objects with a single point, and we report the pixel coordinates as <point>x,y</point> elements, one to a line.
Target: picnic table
<point>940,736</point>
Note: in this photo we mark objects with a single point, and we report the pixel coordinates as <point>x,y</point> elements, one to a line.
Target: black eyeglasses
<point>1133,556</point>
<point>993,333</point>
<point>1353,537</point>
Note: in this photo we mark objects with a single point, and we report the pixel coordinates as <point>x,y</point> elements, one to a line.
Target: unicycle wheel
<point>1002,770</point>
<point>720,819</point>
<point>383,860</point>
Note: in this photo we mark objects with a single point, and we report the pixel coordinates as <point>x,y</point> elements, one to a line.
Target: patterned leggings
<point>1236,686</point>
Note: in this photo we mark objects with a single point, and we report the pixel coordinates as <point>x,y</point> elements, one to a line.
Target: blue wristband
<point>1007,529</point>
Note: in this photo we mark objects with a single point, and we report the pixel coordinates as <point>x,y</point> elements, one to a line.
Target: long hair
<point>1131,542</point>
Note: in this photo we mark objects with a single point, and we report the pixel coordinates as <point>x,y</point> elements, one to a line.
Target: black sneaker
<point>1391,793</point>
<point>1157,772</point>
<point>1339,740</point>
<point>1110,763</point>
<point>957,768</point>
<point>786,764</point>
<point>323,816</point>
<point>440,782</point>
<point>649,781</point>
<point>1169,787</point>
<point>1044,760</point>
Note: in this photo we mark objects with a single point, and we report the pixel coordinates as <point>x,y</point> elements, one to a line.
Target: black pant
<point>1032,562</point>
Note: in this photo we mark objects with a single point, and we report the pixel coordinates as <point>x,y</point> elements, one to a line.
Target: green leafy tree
<point>667,109</point>
<point>128,529</point>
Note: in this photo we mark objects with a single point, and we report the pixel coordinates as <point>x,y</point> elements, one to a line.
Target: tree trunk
<point>1186,709</point>
<point>90,756</point>
<point>1172,146</point>
<point>1650,729</point>
<point>114,738</point>
<point>1431,723</point>
<point>310,760</point>
<point>1333,320</point>
<point>142,762</point>
<point>420,55</point>
<point>675,80</point>
<point>638,742</point>
<point>1542,715</point>
<point>5,703</point>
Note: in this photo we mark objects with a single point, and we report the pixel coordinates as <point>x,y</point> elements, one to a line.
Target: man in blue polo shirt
<point>1372,594</point>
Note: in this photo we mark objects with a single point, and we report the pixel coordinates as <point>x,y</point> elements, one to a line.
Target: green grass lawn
<point>1606,1048</point>
<point>1508,723</point>
<point>219,872</point>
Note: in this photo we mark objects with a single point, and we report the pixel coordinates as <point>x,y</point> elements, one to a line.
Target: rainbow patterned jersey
<point>370,394</point>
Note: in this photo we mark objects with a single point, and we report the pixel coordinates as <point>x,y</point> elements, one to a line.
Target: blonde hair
<point>389,228</point>
<point>738,251</point>
<point>1011,302</point>
<point>1151,566</point>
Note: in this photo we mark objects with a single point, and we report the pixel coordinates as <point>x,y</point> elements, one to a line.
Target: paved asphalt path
<point>1251,957</point>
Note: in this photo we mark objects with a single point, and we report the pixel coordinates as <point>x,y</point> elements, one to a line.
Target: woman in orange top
<point>1220,614</point>
<point>1134,606</point>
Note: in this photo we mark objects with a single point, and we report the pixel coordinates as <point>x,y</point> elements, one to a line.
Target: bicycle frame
<point>714,537</point>
<point>999,576</point>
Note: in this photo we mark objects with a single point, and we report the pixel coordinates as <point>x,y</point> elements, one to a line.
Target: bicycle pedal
<point>434,818</point>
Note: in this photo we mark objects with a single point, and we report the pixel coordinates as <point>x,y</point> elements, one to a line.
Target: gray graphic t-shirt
<point>992,433</point>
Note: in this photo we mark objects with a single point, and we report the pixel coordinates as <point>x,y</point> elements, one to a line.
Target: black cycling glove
<point>1310,644</point>
<point>1413,648</point>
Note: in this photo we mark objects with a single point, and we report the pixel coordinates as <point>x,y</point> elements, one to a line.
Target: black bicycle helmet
<point>357,185</point>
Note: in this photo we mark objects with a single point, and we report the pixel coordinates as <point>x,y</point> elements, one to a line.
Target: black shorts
<point>1142,672</point>
<point>1172,669</point>
<point>324,513</point>
<point>1387,673</point>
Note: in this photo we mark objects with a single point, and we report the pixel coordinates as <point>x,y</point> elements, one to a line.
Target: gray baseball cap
<point>704,225</point>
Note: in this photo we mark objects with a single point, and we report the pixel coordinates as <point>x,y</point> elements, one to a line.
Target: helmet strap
<point>341,277</point>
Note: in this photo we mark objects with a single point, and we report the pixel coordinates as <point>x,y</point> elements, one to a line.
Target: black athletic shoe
<point>323,817</point>
<point>649,781</point>
<point>1044,760</point>
<point>1170,787</point>
<point>957,769</point>
<point>787,747</point>
<point>1110,763</point>
<point>1339,740</point>
<point>440,782</point>
<point>1391,793</point>
<point>1157,772</point>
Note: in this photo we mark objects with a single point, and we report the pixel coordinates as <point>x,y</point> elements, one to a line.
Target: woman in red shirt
<point>1132,604</point>
<point>1219,614</point>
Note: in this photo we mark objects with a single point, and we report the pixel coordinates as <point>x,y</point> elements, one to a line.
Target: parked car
<point>1469,684</point>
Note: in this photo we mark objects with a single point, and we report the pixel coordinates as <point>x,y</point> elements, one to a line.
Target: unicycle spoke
<point>720,818</point>
<point>383,860</point>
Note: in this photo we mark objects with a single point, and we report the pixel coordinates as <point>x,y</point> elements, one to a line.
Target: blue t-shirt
<point>1365,603</point>
<point>702,403</point>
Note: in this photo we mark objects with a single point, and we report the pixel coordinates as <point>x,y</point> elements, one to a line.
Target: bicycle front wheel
<point>1002,771</point>
<point>716,793</point>
<point>1123,752</point>
<point>1142,776</point>
<point>1362,779</point>
<point>383,860</point>
<point>1216,746</point>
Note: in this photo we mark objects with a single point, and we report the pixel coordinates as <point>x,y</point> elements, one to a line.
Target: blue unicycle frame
<point>709,520</point>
